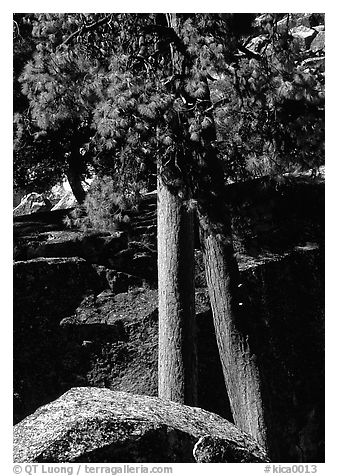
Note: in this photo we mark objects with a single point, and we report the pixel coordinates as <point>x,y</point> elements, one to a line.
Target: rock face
<point>111,341</point>
<point>53,286</point>
<point>93,321</point>
<point>18,195</point>
<point>211,449</point>
<point>268,217</point>
<point>97,425</point>
<point>112,250</point>
<point>67,201</point>
<point>318,44</point>
<point>304,34</point>
<point>45,290</point>
<point>303,26</point>
<point>32,203</point>
<point>120,333</point>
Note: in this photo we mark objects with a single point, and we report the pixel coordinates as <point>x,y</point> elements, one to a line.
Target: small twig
<point>17,27</point>
<point>176,163</point>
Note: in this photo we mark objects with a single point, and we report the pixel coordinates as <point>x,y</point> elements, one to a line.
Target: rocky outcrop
<point>211,449</point>
<point>267,216</point>
<point>66,201</point>
<point>45,290</point>
<point>95,247</point>
<point>29,226</point>
<point>308,32</point>
<point>111,250</point>
<point>304,34</point>
<point>54,286</point>
<point>18,195</point>
<point>272,217</point>
<point>115,337</point>
<point>93,321</point>
<point>118,281</point>
<point>32,203</point>
<point>111,341</point>
<point>318,44</point>
<point>97,425</point>
<point>302,26</point>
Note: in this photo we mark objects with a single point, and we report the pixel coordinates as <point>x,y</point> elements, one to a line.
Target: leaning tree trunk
<point>74,175</point>
<point>177,362</point>
<point>239,362</point>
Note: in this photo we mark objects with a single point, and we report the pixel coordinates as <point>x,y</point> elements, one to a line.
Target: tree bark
<point>177,361</point>
<point>177,358</point>
<point>74,176</point>
<point>239,363</point>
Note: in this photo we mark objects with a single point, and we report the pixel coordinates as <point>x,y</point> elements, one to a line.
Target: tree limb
<point>249,53</point>
<point>85,28</point>
<point>169,34</point>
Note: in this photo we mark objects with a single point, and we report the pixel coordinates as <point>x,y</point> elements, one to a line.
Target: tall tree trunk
<point>177,361</point>
<point>74,175</point>
<point>177,358</point>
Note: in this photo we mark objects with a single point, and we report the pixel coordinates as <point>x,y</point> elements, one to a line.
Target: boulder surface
<point>97,425</point>
<point>32,203</point>
<point>66,201</point>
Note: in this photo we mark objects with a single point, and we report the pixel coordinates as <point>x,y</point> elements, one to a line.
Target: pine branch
<point>224,100</point>
<point>249,53</point>
<point>85,28</point>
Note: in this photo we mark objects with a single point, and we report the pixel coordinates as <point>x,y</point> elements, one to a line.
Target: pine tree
<point>53,134</point>
<point>187,90</point>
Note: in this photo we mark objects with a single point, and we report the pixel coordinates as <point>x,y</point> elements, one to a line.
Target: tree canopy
<point>105,84</point>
